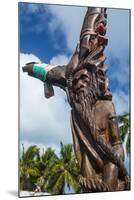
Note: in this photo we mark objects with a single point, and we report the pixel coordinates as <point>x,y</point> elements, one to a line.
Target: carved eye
<point>100,73</point>
<point>83,77</point>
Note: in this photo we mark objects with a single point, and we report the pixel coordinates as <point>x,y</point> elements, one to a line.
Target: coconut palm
<point>47,161</point>
<point>124,121</point>
<point>65,171</point>
<point>48,170</point>
<point>29,167</point>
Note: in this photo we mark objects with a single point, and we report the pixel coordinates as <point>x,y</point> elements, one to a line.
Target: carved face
<point>84,94</point>
<point>81,82</point>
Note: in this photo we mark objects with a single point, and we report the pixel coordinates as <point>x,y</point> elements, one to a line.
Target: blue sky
<point>49,34</point>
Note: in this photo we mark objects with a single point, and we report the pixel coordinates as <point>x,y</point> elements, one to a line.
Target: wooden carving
<point>95,131</point>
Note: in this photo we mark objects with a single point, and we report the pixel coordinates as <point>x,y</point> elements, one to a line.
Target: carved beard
<point>84,102</point>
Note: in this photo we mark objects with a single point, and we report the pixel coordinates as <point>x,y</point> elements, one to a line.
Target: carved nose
<point>80,85</point>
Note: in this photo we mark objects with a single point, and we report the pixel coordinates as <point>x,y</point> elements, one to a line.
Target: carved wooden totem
<point>95,131</point>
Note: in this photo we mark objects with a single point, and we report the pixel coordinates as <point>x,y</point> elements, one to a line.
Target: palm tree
<point>47,161</point>
<point>124,121</point>
<point>65,171</point>
<point>48,170</point>
<point>29,168</point>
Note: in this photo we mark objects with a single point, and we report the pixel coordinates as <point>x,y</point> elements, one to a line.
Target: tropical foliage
<point>124,122</point>
<point>29,168</point>
<point>49,171</point>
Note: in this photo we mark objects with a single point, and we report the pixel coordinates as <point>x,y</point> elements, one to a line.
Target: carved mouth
<point>80,90</point>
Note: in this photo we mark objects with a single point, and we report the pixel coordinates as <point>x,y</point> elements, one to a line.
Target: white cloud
<point>117,51</point>
<point>44,121</point>
<point>69,19</point>
<point>121,101</point>
<point>118,70</point>
<point>59,60</point>
<point>118,31</point>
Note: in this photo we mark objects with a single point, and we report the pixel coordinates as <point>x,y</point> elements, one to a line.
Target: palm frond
<point>31,153</point>
<point>59,185</point>
<point>70,180</point>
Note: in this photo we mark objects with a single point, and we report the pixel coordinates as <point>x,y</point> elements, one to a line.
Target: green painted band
<point>39,72</point>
